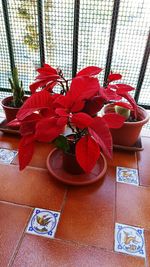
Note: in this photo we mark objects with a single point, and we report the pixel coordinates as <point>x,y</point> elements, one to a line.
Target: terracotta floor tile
<point>40,155</point>
<point>9,141</point>
<point>40,252</point>
<point>41,149</point>
<point>88,216</point>
<point>123,159</point>
<point>13,220</point>
<point>133,205</point>
<point>144,162</point>
<point>34,187</point>
<point>147,242</point>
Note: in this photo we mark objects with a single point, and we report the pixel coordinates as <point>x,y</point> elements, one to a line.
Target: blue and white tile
<point>129,240</point>
<point>43,223</point>
<point>127,175</point>
<point>7,155</point>
<point>1,119</point>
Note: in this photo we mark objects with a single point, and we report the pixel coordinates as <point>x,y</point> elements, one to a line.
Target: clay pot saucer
<point>55,167</point>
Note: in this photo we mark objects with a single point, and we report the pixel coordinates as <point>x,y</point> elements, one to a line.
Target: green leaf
<point>62,143</point>
<point>11,84</point>
<point>15,78</point>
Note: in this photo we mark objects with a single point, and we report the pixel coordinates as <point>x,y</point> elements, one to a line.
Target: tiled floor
<point>85,232</point>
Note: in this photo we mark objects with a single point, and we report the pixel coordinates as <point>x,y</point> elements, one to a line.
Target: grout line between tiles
<point>28,167</point>
<point>64,201</point>
<point>25,206</point>
<point>12,259</point>
<point>140,184</point>
<point>16,204</point>
<point>72,242</point>
<point>62,207</point>
<point>136,156</point>
<point>115,212</point>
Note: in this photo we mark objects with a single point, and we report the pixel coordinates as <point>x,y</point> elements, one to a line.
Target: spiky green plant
<point>17,89</point>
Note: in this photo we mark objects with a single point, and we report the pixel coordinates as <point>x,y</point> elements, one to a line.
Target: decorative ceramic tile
<point>1,119</point>
<point>7,156</point>
<point>129,240</point>
<point>43,223</point>
<point>127,175</point>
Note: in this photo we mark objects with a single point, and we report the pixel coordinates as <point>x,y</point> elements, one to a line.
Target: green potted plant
<point>12,104</point>
<point>48,116</point>
<point>124,104</point>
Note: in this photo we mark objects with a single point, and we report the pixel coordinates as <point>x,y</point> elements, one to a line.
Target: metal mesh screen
<point>94,30</point>
<point>5,71</point>
<point>58,22</point>
<point>24,32</point>
<point>144,98</point>
<point>95,18</point>
<point>131,36</point>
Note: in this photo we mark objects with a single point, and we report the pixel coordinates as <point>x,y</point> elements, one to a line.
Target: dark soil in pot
<point>70,163</point>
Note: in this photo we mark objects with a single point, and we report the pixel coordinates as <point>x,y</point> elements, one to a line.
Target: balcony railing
<point>71,34</point>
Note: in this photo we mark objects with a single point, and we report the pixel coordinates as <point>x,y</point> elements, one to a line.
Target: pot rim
<point>77,176</point>
<point>143,121</point>
<point>72,154</point>
<point>7,99</point>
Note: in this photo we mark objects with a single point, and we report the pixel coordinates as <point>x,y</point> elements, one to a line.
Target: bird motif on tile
<point>126,174</point>
<point>133,247</point>
<point>43,221</point>
<point>129,239</point>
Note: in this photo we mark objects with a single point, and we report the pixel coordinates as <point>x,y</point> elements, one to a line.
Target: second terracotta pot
<point>128,134</point>
<point>10,112</point>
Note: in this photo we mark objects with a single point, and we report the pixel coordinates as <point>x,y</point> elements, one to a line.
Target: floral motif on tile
<point>127,175</point>
<point>43,223</point>
<point>7,156</point>
<point>129,240</point>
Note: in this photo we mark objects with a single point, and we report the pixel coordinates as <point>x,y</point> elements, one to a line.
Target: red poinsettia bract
<point>45,114</point>
<point>47,78</point>
<point>117,91</point>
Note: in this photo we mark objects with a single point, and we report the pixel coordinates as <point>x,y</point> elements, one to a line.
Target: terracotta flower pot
<point>57,166</point>
<point>128,134</point>
<point>70,164</point>
<point>10,112</point>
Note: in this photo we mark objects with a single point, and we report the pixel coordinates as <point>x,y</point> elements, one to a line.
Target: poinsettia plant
<point>46,114</point>
<point>119,92</point>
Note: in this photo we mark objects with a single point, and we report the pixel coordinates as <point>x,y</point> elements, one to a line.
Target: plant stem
<point>63,91</point>
<point>69,125</point>
<point>66,82</point>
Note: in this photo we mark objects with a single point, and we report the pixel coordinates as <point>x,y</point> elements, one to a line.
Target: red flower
<point>117,91</point>
<point>26,150</point>
<point>87,152</point>
<point>37,102</point>
<point>113,77</point>
<point>45,114</point>
<point>47,77</point>
<point>89,71</point>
